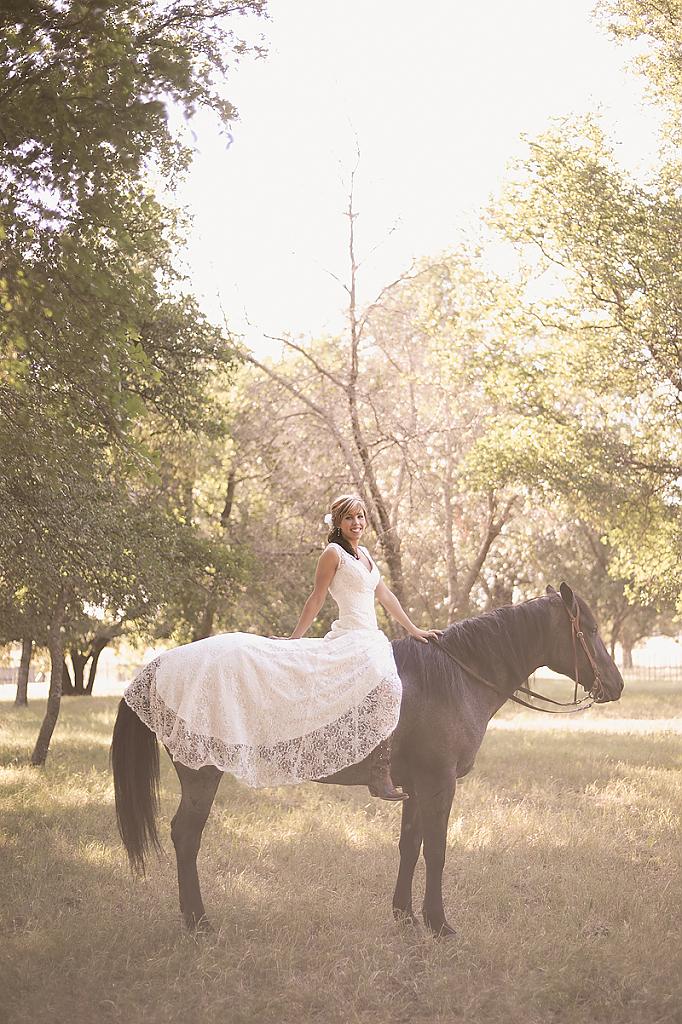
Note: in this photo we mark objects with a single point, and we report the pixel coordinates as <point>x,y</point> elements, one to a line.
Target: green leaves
<point>102,349</point>
<point>658,26</point>
<point>600,384</point>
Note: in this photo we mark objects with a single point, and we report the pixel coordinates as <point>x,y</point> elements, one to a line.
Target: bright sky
<point>437,94</point>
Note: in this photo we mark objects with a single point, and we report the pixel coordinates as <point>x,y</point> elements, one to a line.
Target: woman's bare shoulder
<point>331,554</point>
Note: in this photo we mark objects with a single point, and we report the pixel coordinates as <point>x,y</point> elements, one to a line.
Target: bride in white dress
<point>275,711</point>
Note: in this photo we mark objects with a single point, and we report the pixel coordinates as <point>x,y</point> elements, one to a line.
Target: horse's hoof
<point>441,931</point>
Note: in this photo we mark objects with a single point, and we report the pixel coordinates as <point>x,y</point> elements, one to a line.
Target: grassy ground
<point>563,879</point>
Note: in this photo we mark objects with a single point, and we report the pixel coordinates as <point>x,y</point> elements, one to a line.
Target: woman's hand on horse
<point>424,635</point>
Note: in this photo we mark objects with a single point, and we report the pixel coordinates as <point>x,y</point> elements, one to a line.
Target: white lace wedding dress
<point>273,712</point>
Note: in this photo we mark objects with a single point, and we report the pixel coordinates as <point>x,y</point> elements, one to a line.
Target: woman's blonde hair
<point>340,507</point>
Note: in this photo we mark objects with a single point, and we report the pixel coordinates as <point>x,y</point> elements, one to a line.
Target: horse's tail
<point>135,763</point>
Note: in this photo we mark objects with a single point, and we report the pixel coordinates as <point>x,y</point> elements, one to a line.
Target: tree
<point>371,394</point>
<point>343,382</point>
<point>100,334</point>
<point>21,699</point>
<point>606,247</point>
<point>20,620</point>
<point>548,545</point>
<point>83,238</point>
<point>611,444</point>
<point>434,339</point>
<point>659,27</point>
<point>402,394</point>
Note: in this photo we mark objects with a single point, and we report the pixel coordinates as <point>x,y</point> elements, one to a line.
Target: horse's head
<point>578,651</point>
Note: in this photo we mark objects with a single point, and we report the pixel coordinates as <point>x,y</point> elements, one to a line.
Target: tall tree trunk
<point>205,626</point>
<point>229,497</point>
<point>67,682</point>
<point>97,648</point>
<point>627,654</point>
<point>386,531</point>
<point>21,699</point>
<point>356,453</point>
<point>78,661</point>
<point>56,649</point>
<point>449,526</point>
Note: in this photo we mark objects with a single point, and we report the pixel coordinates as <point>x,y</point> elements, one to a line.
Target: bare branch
<point>317,410</point>
<point>304,352</point>
<point>375,248</point>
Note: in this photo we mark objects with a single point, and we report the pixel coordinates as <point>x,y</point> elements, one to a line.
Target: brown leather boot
<point>380,782</point>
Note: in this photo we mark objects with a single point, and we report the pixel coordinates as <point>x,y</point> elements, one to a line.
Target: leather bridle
<point>594,693</point>
<point>596,690</point>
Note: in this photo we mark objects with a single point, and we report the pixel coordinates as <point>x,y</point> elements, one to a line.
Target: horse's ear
<point>549,589</point>
<point>568,597</point>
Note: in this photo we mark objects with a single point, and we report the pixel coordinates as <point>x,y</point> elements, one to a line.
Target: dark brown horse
<point>450,693</point>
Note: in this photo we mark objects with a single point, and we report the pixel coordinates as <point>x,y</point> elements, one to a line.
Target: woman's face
<point>353,525</point>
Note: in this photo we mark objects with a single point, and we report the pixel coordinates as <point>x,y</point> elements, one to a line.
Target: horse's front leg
<point>410,847</point>
<point>199,788</point>
<point>435,792</point>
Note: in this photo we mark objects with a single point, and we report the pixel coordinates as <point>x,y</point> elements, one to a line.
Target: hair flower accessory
<point>328,519</point>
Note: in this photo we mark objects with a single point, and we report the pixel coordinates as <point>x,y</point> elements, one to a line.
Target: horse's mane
<point>493,644</point>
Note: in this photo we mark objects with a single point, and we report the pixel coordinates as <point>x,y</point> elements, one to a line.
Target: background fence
<point>113,677</point>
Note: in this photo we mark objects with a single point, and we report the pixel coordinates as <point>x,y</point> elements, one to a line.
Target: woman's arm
<point>327,565</point>
<point>390,602</point>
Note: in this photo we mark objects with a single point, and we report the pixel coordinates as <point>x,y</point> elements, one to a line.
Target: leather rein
<point>569,707</point>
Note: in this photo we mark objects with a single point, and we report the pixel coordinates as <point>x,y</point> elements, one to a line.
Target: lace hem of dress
<point>322,752</point>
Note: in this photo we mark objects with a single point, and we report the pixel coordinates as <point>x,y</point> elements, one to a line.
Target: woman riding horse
<point>324,711</point>
<point>275,711</point>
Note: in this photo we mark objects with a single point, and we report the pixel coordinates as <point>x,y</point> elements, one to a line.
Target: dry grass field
<point>563,879</point>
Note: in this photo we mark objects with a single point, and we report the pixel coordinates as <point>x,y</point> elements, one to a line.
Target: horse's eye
<point>594,630</point>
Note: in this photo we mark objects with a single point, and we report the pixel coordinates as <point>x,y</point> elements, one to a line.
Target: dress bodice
<point>353,589</point>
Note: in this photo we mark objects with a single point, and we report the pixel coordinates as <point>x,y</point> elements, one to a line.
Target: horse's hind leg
<point>199,788</point>
<point>410,846</point>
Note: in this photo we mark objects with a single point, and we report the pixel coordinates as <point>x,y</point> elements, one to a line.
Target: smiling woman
<point>274,710</point>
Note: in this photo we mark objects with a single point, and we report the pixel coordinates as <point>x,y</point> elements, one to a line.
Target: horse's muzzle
<point>603,694</point>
